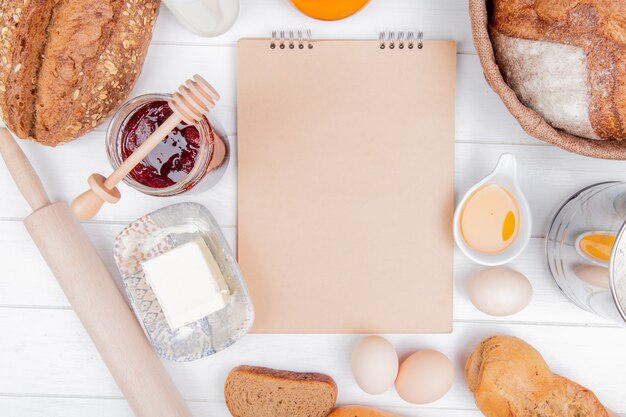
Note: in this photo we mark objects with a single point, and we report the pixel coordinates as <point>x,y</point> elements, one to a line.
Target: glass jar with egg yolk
<point>586,249</point>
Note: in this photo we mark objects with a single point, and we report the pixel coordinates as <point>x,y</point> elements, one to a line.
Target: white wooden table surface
<point>49,367</point>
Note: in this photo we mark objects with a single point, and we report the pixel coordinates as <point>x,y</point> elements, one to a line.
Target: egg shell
<point>499,291</point>
<point>598,276</point>
<point>424,377</point>
<point>374,364</point>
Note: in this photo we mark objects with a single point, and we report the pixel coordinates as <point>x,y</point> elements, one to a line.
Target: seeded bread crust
<point>252,391</point>
<point>68,64</point>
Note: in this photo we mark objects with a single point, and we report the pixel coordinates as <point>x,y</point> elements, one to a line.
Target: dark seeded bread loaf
<point>261,392</point>
<point>67,64</point>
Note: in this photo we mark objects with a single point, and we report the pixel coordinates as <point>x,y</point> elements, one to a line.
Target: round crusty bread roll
<point>67,64</point>
<point>359,411</point>
<point>565,59</point>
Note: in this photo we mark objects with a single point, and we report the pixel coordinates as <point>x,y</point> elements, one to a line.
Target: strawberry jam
<point>173,159</point>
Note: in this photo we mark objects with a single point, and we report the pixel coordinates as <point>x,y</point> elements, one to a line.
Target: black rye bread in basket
<point>559,66</point>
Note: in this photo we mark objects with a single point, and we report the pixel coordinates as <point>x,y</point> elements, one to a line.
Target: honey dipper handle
<point>22,171</point>
<point>101,189</point>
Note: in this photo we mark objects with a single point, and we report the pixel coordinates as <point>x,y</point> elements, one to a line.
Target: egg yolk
<point>508,228</point>
<point>329,9</point>
<point>598,246</point>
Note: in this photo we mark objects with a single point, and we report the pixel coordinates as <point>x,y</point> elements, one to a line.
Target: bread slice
<point>261,392</point>
<point>359,411</point>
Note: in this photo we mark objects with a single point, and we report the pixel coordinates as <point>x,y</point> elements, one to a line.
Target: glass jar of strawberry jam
<point>188,156</point>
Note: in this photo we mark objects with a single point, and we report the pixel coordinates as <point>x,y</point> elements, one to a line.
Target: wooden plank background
<point>47,364</point>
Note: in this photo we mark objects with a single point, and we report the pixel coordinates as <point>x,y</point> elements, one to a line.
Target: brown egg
<point>424,377</point>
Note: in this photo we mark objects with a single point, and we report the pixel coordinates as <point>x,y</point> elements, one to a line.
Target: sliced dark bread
<point>252,391</point>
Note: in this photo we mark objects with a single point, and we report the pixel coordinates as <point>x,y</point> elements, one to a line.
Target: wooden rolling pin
<point>189,104</point>
<point>93,294</point>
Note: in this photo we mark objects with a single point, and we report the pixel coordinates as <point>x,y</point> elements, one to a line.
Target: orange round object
<point>329,9</point>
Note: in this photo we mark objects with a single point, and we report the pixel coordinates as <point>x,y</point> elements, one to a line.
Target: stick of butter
<point>187,282</point>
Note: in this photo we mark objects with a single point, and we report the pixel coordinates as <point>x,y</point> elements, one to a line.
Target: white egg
<point>499,291</point>
<point>374,364</point>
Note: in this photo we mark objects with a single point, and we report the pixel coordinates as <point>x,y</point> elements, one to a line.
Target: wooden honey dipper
<point>189,104</point>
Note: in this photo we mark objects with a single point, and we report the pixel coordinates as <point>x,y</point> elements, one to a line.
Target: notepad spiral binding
<point>302,39</point>
<point>292,39</point>
<point>401,39</point>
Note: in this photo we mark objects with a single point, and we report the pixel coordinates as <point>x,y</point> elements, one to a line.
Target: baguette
<point>359,411</point>
<point>510,378</point>
<point>67,64</point>
<point>261,392</point>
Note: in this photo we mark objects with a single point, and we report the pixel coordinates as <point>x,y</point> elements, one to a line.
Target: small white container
<point>205,17</point>
<point>504,175</point>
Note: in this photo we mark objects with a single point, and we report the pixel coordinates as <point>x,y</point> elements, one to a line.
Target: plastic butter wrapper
<point>187,282</point>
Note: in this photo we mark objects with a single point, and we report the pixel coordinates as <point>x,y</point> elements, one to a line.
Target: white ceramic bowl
<point>207,18</point>
<point>505,175</point>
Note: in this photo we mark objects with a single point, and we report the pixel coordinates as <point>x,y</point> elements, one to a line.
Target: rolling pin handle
<point>22,171</point>
<point>87,205</point>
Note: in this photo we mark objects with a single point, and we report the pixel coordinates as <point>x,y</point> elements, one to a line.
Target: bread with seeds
<point>68,64</point>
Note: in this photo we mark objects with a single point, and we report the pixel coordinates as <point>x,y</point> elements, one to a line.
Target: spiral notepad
<point>345,182</point>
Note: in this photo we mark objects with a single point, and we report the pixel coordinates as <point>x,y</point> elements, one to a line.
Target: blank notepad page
<point>345,186</point>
